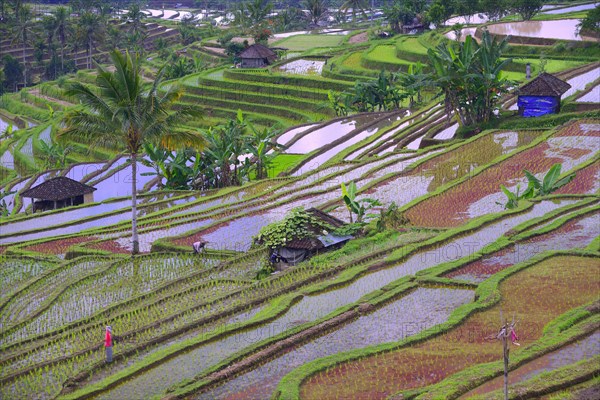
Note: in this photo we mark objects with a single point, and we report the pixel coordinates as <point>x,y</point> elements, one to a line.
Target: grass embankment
<point>308,42</point>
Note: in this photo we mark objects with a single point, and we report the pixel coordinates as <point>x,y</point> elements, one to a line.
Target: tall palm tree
<point>61,16</point>
<point>134,18</point>
<point>316,10</point>
<point>90,30</point>
<point>121,110</point>
<point>355,5</point>
<point>23,32</point>
<point>258,10</point>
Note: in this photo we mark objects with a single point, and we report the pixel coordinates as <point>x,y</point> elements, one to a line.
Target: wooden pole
<point>505,348</point>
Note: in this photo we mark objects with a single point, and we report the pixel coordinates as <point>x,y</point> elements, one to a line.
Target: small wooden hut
<point>297,250</point>
<point>257,56</point>
<point>541,96</point>
<point>59,192</point>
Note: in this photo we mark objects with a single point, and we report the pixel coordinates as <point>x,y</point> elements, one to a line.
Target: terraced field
<point>409,309</point>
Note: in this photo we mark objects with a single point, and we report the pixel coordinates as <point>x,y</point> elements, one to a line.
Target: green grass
<point>307,42</point>
<point>386,53</point>
<point>552,66</point>
<point>283,162</point>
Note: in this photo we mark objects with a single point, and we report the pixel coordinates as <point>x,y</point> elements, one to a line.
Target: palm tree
<point>258,10</point>
<point>354,5</point>
<point>23,30</point>
<point>121,110</point>
<point>61,16</point>
<point>133,18</point>
<point>90,30</point>
<point>316,10</point>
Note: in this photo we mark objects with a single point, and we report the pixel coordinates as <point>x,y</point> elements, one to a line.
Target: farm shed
<point>298,250</point>
<point>541,96</point>
<point>257,56</point>
<point>59,192</point>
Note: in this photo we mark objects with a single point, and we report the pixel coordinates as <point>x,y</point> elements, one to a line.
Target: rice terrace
<point>299,199</point>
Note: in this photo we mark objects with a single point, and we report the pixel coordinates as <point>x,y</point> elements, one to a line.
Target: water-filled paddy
<point>565,29</point>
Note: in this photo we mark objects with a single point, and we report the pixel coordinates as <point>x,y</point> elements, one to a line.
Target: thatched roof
<point>59,188</point>
<point>258,51</point>
<point>544,85</point>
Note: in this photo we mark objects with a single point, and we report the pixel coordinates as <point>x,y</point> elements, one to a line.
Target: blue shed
<point>541,96</point>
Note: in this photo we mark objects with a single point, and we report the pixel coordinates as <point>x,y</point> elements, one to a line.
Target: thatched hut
<point>541,96</point>
<point>297,250</point>
<point>257,56</point>
<point>59,192</point>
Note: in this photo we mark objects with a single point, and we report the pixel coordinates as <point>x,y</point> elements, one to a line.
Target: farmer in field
<point>108,345</point>
<point>198,247</point>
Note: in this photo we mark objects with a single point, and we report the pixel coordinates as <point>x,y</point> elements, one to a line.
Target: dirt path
<point>36,93</point>
<point>359,38</point>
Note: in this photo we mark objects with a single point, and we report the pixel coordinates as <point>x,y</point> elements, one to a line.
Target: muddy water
<point>382,139</point>
<point>565,29</point>
<point>570,9</point>
<point>287,136</point>
<point>303,67</point>
<point>79,227</point>
<point>581,235</point>
<point>445,168</point>
<point>581,350</point>
<point>10,199</point>
<point>117,163</point>
<point>4,124</point>
<point>463,34</point>
<point>322,158</point>
<point>78,172</point>
<point>593,96</point>
<point>408,316</point>
<point>584,148</point>
<point>82,213</point>
<point>467,19</point>
<point>119,183</point>
<point>7,160</point>
<point>447,133</point>
<point>322,136</point>
<point>288,34</point>
<point>45,135</point>
<point>311,308</point>
<point>581,81</point>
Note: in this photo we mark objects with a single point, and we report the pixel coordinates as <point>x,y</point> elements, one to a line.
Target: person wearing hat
<point>108,345</point>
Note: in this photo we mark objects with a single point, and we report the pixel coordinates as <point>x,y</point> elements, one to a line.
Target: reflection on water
<point>303,67</point>
<point>564,29</point>
<point>322,136</point>
<point>593,96</point>
<point>581,81</point>
<point>467,19</point>
<point>463,34</point>
<point>571,9</point>
<point>287,136</point>
<point>447,133</point>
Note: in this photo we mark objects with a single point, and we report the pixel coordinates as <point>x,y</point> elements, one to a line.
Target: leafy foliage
<point>468,74</point>
<point>535,187</point>
<point>358,207</point>
<point>54,155</point>
<point>297,224</point>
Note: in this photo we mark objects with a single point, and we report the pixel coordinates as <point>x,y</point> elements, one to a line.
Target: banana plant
<point>357,207</point>
<point>536,187</point>
<point>4,211</point>
<point>550,183</point>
